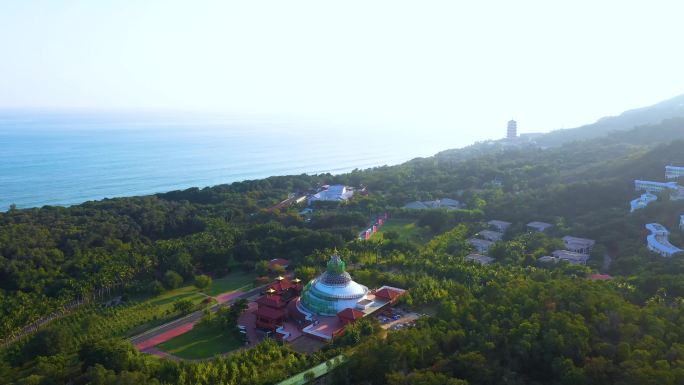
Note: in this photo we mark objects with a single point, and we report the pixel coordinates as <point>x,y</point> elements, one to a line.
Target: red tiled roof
<point>270,300</point>
<point>269,312</point>
<point>350,314</point>
<point>282,285</point>
<point>388,294</point>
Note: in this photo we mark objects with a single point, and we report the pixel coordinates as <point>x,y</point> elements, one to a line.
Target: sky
<point>458,67</point>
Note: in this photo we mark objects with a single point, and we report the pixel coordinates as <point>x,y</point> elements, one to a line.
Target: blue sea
<point>65,158</point>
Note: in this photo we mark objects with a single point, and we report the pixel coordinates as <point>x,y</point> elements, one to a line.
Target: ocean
<point>66,158</point>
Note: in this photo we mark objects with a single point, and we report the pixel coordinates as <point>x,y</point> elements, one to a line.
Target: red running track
<point>163,337</point>
<point>183,328</point>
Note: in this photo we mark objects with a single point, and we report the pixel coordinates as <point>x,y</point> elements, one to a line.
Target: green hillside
<point>515,321</point>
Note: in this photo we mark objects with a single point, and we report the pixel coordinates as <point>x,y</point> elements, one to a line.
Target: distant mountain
<point>652,115</point>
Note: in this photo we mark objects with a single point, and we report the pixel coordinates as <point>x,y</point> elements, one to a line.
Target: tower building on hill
<point>512,131</point>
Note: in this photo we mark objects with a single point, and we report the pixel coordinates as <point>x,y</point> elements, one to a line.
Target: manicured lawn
<point>201,342</point>
<point>230,282</point>
<point>407,230</point>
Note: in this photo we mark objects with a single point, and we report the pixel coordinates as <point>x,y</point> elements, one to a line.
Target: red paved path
<point>168,331</point>
<point>225,297</point>
<point>167,335</point>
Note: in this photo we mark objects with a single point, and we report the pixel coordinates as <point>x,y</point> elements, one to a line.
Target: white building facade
<point>500,226</point>
<point>570,257</point>
<point>578,245</point>
<point>658,241</point>
<point>539,227</point>
<point>654,187</point>
<point>674,172</point>
<point>335,193</point>
<point>641,202</point>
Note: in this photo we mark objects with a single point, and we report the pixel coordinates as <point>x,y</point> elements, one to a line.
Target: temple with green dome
<point>332,291</point>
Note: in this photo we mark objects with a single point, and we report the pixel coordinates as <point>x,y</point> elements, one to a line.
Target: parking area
<point>399,320</point>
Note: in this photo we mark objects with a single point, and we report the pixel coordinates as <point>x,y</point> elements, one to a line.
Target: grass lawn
<point>230,282</point>
<point>163,303</point>
<point>167,299</point>
<point>201,342</point>
<point>407,230</point>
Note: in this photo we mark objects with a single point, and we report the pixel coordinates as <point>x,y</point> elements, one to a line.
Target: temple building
<point>272,306</point>
<point>321,309</point>
<point>333,291</point>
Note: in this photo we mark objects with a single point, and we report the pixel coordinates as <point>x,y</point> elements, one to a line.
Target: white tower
<point>512,131</point>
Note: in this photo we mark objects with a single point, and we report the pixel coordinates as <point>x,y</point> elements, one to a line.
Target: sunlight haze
<point>439,66</point>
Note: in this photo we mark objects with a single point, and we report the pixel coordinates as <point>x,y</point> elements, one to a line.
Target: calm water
<point>63,159</point>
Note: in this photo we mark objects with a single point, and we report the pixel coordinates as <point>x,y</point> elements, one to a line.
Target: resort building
<point>481,245</point>
<point>501,226</point>
<point>538,227</point>
<point>444,203</point>
<point>571,257</point>
<point>658,241</point>
<point>547,259</point>
<point>579,245</point>
<point>479,258</point>
<point>674,172</point>
<point>512,129</point>
<point>334,193</point>
<point>678,194</point>
<point>490,235</point>
<point>641,202</point>
<point>654,187</point>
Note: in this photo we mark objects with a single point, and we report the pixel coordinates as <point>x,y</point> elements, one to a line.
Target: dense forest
<point>512,322</point>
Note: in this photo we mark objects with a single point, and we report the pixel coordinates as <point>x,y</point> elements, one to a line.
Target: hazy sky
<point>464,66</point>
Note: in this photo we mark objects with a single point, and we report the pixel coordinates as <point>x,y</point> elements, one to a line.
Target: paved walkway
<point>248,319</point>
<point>227,297</point>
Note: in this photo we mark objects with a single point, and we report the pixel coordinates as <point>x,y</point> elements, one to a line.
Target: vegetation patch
<point>202,341</point>
<point>407,230</point>
<point>232,281</point>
